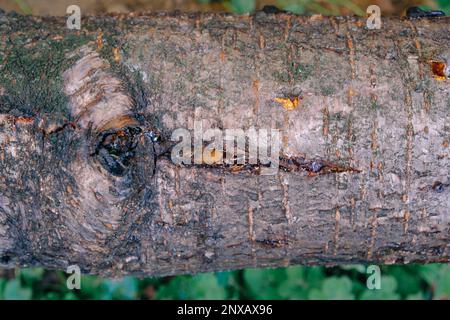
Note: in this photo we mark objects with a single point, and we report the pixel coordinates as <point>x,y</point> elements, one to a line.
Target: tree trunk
<point>87,177</point>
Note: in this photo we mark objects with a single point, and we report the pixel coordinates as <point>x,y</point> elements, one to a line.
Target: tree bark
<point>87,116</point>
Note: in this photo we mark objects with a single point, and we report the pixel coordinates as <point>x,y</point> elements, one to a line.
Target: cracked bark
<point>365,151</point>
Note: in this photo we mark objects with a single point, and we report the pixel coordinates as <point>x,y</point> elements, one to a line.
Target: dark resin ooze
<point>116,150</point>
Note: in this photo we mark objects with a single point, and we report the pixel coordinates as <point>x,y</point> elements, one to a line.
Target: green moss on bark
<point>31,75</point>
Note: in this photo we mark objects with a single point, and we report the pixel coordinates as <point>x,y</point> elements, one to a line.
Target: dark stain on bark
<point>274,243</point>
<point>416,12</point>
<point>116,149</point>
<point>312,167</point>
<point>439,187</point>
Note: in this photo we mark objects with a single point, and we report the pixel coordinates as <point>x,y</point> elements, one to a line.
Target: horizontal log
<point>88,177</point>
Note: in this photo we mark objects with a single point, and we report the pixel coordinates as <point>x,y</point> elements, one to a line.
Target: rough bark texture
<point>82,183</point>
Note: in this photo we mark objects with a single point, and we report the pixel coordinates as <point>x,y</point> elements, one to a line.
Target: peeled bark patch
<point>97,98</point>
<point>364,143</point>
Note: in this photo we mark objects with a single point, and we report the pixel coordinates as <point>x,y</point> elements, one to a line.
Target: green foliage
<point>443,5</point>
<point>15,291</point>
<point>387,291</point>
<point>440,279</point>
<point>24,7</point>
<point>202,286</point>
<point>346,282</point>
<point>325,7</point>
<point>240,6</point>
<point>333,288</point>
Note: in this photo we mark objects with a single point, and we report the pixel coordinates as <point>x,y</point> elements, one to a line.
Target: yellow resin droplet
<point>289,103</point>
<point>213,157</point>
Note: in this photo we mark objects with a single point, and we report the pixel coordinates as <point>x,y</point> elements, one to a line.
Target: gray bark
<point>365,160</point>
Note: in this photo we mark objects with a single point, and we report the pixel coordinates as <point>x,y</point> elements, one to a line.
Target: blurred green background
<point>344,282</point>
<point>325,7</point>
